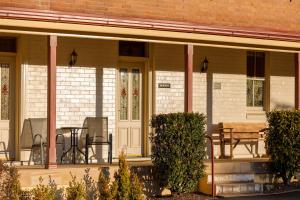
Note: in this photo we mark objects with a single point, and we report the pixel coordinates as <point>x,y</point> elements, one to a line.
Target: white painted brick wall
<point>282,81</point>
<point>96,69</point>
<point>169,63</point>
<point>227,67</point>
<point>87,89</point>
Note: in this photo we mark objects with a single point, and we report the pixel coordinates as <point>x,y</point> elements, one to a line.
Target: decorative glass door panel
<point>123,94</point>
<point>135,110</point>
<point>130,109</point>
<point>7,103</point>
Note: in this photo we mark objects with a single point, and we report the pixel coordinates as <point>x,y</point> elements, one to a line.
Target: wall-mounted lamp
<point>73,58</point>
<point>204,65</point>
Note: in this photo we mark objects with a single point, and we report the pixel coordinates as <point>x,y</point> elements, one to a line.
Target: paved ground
<point>286,196</point>
<point>189,196</point>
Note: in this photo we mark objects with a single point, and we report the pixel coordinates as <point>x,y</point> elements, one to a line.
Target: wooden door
<point>7,102</point>
<point>129,92</point>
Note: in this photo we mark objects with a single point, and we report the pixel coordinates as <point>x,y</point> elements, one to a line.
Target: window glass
<point>255,79</point>
<point>7,44</point>
<point>123,94</point>
<point>135,94</point>
<point>260,65</point>
<point>4,91</point>
<point>250,64</point>
<point>128,48</point>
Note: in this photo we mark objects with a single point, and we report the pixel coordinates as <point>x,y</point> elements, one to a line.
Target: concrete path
<point>286,196</point>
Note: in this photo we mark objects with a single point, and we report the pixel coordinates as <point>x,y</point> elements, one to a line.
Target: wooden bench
<point>235,132</point>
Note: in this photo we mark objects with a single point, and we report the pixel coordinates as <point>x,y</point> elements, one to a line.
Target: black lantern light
<point>204,65</point>
<point>73,58</point>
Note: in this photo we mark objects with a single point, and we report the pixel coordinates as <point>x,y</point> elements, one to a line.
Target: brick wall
<point>220,93</point>
<point>282,81</point>
<point>169,64</point>
<point>280,15</point>
<point>87,89</point>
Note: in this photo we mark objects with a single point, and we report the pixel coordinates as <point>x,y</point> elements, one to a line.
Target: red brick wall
<point>277,15</point>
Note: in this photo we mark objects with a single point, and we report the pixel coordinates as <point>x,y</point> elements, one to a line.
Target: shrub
<point>44,192</point>
<point>76,190</point>
<point>9,182</point>
<point>126,185</point>
<point>103,186</point>
<point>178,149</point>
<point>136,189</point>
<point>91,186</point>
<point>283,142</point>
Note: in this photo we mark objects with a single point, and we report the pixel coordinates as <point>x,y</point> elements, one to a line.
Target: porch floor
<point>29,175</point>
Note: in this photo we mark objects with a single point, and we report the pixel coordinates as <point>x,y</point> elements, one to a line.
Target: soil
<point>186,196</point>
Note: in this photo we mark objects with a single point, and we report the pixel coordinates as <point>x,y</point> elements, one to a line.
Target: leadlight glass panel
<point>4,91</point>
<point>123,94</point>
<point>135,94</point>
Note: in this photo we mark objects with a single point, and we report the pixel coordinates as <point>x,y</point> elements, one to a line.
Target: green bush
<point>283,142</point>
<point>126,185</point>
<point>9,182</point>
<point>44,192</point>
<point>103,186</point>
<point>76,190</point>
<point>178,150</point>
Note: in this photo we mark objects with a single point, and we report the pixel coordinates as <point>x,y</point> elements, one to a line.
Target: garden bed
<point>280,188</point>
<point>183,196</point>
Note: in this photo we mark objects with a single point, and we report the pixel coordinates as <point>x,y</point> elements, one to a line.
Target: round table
<point>74,142</point>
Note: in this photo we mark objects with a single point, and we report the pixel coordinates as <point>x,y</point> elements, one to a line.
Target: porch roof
<point>90,26</point>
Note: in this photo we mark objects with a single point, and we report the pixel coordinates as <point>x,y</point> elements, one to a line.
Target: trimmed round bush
<point>283,142</point>
<point>178,150</point>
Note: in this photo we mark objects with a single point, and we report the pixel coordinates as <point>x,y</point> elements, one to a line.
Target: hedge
<point>178,149</point>
<point>283,142</point>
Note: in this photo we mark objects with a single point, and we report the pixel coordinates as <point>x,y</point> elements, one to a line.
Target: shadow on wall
<point>79,88</point>
<point>282,106</point>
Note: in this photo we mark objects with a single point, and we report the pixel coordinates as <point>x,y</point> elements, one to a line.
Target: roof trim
<point>78,18</point>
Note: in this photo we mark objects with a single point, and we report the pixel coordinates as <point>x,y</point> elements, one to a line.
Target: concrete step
<point>238,189</point>
<point>231,178</point>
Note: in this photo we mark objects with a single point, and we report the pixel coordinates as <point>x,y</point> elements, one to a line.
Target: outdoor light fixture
<point>73,58</point>
<point>204,65</point>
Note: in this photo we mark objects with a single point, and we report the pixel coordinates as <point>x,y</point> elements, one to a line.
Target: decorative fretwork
<point>123,94</point>
<point>135,94</point>
<point>4,91</point>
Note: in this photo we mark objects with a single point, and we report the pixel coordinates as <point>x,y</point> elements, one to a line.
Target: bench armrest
<point>264,130</point>
<point>222,129</point>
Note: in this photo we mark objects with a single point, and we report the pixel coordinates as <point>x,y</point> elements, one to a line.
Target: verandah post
<point>297,81</point>
<point>188,78</point>
<point>51,109</point>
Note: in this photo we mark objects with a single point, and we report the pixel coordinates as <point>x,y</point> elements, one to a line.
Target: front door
<point>7,102</point>
<point>129,92</point>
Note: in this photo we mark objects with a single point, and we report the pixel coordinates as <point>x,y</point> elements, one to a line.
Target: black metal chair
<point>97,134</point>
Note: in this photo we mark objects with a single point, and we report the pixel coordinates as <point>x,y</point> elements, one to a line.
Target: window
<point>255,79</point>
<point>7,44</point>
<point>128,48</point>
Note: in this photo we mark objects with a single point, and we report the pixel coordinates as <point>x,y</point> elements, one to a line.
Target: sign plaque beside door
<point>164,85</point>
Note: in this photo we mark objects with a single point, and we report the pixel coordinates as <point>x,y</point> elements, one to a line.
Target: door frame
<point>144,62</point>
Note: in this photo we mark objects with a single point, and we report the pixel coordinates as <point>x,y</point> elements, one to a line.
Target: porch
<point>162,77</point>
<point>228,174</point>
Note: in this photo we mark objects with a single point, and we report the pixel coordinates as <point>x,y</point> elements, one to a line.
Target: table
<point>74,142</point>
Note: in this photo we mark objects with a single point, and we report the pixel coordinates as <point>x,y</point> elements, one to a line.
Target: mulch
<point>186,196</point>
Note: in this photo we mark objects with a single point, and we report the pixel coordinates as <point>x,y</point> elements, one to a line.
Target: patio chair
<point>34,135</point>
<point>97,134</point>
